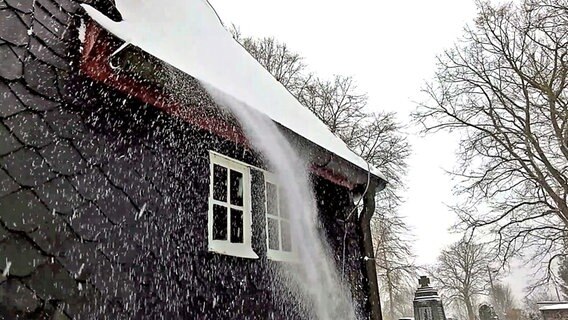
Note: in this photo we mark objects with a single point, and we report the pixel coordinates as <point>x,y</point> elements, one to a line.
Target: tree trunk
<point>390,289</point>
<point>469,307</point>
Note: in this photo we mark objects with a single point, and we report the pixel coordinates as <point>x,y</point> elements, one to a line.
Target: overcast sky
<point>389,47</point>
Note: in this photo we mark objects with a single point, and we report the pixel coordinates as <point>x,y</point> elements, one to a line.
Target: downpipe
<point>369,267</point>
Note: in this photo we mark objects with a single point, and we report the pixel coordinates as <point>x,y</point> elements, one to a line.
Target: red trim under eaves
<point>94,63</point>
<point>98,47</point>
<point>331,176</point>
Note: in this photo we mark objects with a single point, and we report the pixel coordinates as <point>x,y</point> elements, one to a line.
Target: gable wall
<point>79,162</point>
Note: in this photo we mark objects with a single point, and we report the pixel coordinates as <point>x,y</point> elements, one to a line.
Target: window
<point>229,218</point>
<point>278,235</point>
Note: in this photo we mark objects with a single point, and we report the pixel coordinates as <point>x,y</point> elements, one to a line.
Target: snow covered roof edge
<point>190,36</point>
<point>559,306</point>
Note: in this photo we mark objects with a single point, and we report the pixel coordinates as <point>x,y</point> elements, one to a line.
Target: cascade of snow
<point>317,275</point>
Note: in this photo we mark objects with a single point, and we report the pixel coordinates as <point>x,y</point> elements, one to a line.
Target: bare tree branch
<point>503,90</point>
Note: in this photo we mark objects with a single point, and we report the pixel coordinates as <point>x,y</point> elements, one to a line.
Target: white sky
<point>389,47</point>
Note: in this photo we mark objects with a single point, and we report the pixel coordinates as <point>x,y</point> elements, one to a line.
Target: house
<point>128,191</point>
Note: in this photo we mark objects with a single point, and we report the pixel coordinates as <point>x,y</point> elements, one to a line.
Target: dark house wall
<point>79,162</point>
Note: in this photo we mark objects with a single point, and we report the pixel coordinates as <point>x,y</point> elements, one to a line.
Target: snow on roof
<point>189,35</point>
<point>558,306</point>
<point>430,297</point>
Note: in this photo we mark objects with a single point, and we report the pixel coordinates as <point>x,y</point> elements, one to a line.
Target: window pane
<point>283,204</point>
<point>219,222</point>
<point>237,226</point>
<point>236,188</point>
<point>271,199</point>
<point>219,183</point>
<point>273,234</point>
<point>286,236</point>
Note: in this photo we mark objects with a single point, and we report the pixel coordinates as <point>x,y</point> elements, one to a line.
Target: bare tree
<point>395,266</point>
<point>377,137</point>
<point>286,66</point>
<point>337,103</point>
<point>562,275</point>
<point>454,308</point>
<point>530,302</point>
<point>461,274</point>
<point>502,89</point>
<point>503,300</point>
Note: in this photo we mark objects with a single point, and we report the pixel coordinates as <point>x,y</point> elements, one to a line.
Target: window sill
<point>231,249</point>
<point>282,256</point>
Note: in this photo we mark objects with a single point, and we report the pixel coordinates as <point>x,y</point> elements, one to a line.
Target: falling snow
<point>104,197</point>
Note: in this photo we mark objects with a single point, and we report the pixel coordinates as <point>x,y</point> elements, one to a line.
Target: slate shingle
<point>89,223</point>
<point>12,67</point>
<point>92,184</point>
<point>80,259</point>
<point>45,54</point>
<point>59,195</point>
<point>3,233</point>
<point>21,5</point>
<point>27,167</point>
<point>23,256</point>
<point>110,280</point>
<point>116,206</point>
<point>30,129</point>
<point>51,281</point>
<point>12,29</point>
<point>32,100</point>
<point>65,123</point>
<point>144,194</point>
<point>53,237</point>
<point>122,174</point>
<point>63,158</point>
<point>23,211</point>
<point>26,18</point>
<point>94,148</point>
<point>69,5</point>
<point>120,247</point>
<point>52,41</point>
<point>7,141</point>
<point>41,77</point>
<point>56,11</point>
<point>9,103</point>
<point>7,184</point>
<point>86,302</point>
<point>18,299</point>
<point>42,16</point>
<point>60,315</point>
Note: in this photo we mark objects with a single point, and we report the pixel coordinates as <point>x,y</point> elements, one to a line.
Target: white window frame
<point>226,247</point>
<point>277,255</point>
